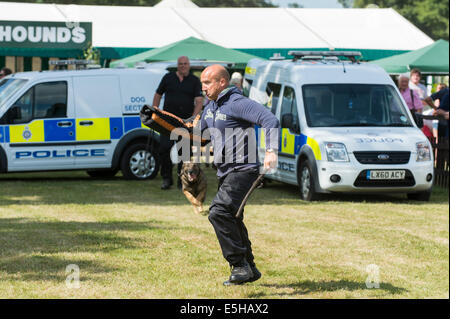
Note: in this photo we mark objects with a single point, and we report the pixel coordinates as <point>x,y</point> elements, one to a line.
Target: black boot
<point>256,274</point>
<point>255,277</point>
<point>166,184</point>
<point>239,274</point>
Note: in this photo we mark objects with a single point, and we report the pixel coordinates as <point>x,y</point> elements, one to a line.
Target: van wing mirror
<point>12,114</point>
<point>287,121</point>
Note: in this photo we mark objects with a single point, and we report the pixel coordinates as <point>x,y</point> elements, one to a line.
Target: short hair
<point>223,73</point>
<point>403,76</point>
<point>6,71</point>
<point>183,57</point>
<point>442,85</point>
<point>416,71</point>
<point>236,75</point>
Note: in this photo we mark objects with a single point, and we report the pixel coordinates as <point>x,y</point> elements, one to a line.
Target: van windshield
<point>334,105</point>
<point>8,87</point>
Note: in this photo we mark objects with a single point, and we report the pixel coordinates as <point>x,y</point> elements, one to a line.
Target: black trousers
<point>165,144</point>
<point>231,232</point>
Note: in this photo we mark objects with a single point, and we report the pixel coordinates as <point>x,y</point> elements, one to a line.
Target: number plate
<point>378,174</point>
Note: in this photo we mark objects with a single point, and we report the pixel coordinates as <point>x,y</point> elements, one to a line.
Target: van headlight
<point>423,152</point>
<point>336,152</point>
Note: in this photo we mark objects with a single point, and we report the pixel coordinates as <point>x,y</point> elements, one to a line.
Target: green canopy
<point>191,47</point>
<point>432,59</point>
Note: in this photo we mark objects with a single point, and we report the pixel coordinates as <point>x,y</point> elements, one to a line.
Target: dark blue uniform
<point>234,111</point>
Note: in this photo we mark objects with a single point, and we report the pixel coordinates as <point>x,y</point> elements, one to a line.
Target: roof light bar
<point>351,55</point>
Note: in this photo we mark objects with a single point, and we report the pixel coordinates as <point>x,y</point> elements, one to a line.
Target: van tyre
<point>306,182</point>
<point>138,162</point>
<point>107,173</point>
<point>420,196</point>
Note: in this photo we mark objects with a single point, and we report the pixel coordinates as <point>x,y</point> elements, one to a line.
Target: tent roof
<point>432,59</point>
<point>194,48</point>
<point>175,4</point>
<point>243,28</point>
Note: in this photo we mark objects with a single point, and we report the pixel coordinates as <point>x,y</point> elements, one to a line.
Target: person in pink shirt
<point>411,97</point>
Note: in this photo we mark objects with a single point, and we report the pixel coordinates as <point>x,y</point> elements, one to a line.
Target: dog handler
<point>228,109</point>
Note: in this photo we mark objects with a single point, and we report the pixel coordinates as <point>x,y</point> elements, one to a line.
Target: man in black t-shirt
<point>183,98</point>
<point>443,97</point>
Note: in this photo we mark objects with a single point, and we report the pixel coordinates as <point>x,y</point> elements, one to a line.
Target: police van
<point>79,120</point>
<point>344,126</point>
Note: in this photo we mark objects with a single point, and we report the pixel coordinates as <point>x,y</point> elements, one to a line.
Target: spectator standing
<point>183,98</point>
<point>415,85</point>
<point>439,87</point>
<point>411,97</point>
<point>236,80</point>
<point>443,109</point>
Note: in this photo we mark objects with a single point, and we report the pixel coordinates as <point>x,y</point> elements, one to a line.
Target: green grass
<point>132,240</point>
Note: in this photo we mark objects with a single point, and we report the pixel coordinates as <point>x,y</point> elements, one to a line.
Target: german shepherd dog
<point>194,186</point>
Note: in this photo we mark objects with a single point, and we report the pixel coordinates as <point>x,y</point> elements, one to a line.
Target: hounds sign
<point>35,34</point>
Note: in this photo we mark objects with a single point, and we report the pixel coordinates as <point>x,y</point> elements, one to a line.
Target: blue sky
<point>309,3</point>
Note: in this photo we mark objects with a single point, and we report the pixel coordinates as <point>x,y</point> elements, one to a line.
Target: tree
<point>430,16</point>
<point>346,3</point>
<point>149,3</point>
<point>234,3</point>
<point>294,5</point>
<point>95,2</point>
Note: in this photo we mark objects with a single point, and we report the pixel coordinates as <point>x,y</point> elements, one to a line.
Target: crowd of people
<point>437,104</point>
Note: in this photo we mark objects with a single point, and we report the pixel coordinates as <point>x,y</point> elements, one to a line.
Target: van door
<point>98,119</point>
<point>40,128</point>
<point>290,135</point>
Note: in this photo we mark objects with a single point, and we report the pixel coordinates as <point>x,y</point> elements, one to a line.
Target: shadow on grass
<point>49,268</point>
<point>56,188</point>
<point>291,194</point>
<point>28,247</point>
<point>308,286</point>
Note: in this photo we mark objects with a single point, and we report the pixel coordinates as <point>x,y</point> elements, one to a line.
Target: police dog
<point>193,183</point>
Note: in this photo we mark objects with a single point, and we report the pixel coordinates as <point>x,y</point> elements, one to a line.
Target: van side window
<point>44,100</point>
<point>246,86</point>
<point>273,94</point>
<point>50,100</point>
<point>289,113</point>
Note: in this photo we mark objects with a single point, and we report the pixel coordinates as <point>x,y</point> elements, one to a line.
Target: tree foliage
<point>430,16</point>
<point>200,3</point>
<point>346,3</point>
<point>234,3</point>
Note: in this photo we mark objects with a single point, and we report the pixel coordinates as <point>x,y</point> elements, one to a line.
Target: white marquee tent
<point>123,31</point>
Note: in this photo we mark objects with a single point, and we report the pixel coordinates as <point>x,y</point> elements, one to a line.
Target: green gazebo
<point>191,47</point>
<point>430,60</point>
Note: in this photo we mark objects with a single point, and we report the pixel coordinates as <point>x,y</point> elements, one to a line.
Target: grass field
<point>132,240</point>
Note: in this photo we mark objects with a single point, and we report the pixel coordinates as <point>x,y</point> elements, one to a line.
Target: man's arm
<point>156,99</point>
<point>435,96</point>
<point>429,101</point>
<point>254,112</point>
<point>198,101</point>
<point>160,91</point>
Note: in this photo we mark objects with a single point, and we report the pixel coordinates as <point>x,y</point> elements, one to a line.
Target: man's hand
<point>441,112</point>
<point>270,161</point>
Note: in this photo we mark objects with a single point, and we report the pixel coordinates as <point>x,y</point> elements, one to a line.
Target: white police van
<point>79,120</point>
<point>344,126</point>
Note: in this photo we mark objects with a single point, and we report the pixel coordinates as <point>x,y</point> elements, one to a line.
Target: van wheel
<point>306,182</point>
<point>106,173</point>
<point>139,163</point>
<point>420,196</point>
